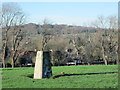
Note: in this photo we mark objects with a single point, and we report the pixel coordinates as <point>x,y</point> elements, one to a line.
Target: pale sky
<point>72,13</point>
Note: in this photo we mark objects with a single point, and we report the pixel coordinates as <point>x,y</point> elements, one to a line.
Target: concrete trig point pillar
<point>42,65</point>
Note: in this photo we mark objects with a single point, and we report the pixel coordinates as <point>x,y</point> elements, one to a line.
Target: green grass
<point>93,76</point>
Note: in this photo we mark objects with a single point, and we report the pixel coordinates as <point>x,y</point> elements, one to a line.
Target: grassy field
<point>93,76</point>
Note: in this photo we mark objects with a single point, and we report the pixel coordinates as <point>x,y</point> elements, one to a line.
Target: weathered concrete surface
<point>47,70</point>
<point>38,71</point>
<point>42,65</point>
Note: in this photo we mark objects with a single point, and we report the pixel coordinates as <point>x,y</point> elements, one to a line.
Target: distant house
<point>74,62</point>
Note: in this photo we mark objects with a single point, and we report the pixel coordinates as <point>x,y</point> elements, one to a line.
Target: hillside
<point>84,41</point>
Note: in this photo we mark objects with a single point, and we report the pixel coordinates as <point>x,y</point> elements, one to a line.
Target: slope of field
<point>93,76</point>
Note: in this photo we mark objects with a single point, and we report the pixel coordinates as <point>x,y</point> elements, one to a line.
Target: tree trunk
<point>103,52</point>
<point>118,61</point>
<point>3,58</point>
<point>14,47</point>
<point>88,63</point>
<point>4,48</point>
<point>13,59</point>
<point>3,55</point>
<point>12,63</point>
<point>105,61</point>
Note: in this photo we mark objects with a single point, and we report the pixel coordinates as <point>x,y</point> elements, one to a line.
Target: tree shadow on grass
<point>62,75</point>
<point>57,76</point>
<point>30,75</point>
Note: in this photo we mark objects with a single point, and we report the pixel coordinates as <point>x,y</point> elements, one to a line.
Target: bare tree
<point>47,33</point>
<point>77,42</point>
<point>12,20</point>
<point>113,23</point>
<point>100,23</point>
<point>105,24</point>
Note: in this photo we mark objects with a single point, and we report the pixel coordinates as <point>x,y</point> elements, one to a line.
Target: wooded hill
<point>87,43</point>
